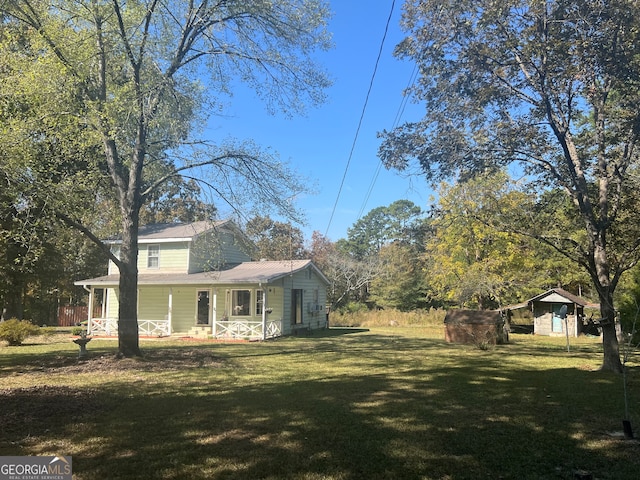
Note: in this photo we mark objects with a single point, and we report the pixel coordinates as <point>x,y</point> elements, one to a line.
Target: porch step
<point>200,332</point>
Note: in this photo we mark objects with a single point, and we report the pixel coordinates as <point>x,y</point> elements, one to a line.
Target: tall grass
<point>384,318</point>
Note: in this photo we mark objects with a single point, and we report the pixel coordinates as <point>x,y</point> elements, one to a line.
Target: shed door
<point>556,322</point>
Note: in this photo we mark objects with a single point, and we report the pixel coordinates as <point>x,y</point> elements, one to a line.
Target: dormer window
<point>153,256</point>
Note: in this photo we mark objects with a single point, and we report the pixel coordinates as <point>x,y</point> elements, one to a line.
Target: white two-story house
<point>198,280</point>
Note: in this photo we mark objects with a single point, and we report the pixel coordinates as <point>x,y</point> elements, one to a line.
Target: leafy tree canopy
<point>134,81</point>
<point>275,240</point>
<point>399,221</point>
<point>550,85</point>
<point>473,263</point>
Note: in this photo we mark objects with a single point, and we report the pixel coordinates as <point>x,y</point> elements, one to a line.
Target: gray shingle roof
<point>177,231</point>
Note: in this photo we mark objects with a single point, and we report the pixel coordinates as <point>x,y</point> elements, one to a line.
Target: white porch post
<point>170,312</point>
<point>90,314</point>
<point>264,313</point>
<point>214,316</point>
<point>103,312</point>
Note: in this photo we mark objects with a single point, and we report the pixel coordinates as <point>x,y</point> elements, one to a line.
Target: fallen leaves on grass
<point>33,411</point>
<point>156,360</point>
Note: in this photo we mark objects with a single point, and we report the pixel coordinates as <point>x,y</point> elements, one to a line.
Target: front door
<point>203,308</point>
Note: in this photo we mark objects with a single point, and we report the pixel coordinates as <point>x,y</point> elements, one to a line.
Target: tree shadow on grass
<point>336,331</point>
<point>394,414</point>
<point>447,423</point>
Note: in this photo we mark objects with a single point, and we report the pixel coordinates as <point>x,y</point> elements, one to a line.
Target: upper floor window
<point>153,256</point>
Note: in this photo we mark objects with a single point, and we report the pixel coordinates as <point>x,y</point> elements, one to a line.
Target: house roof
<point>247,272</point>
<point>174,231</point>
<point>459,316</point>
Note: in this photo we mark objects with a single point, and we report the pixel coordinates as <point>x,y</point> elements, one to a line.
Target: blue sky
<point>318,146</point>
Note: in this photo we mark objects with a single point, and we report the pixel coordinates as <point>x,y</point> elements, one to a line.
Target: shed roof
<point>557,295</point>
<point>459,316</point>
<point>247,272</point>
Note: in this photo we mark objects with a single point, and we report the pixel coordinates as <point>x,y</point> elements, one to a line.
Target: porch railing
<point>154,328</point>
<point>247,329</point>
<point>237,329</point>
<point>102,326</point>
<point>147,328</point>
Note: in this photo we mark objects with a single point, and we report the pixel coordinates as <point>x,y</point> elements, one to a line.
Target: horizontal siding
<point>112,303</point>
<point>183,316</point>
<point>174,258</point>
<point>309,282</point>
<point>112,269</point>
<point>153,303</point>
<point>232,251</point>
<point>211,252</point>
<point>205,253</point>
<point>275,301</point>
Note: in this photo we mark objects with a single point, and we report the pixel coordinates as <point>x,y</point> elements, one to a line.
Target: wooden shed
<point>475,327</point>
<point>547,309</point>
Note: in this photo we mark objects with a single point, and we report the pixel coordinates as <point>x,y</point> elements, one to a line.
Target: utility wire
<point>364,108</point>
<point>396,121</point>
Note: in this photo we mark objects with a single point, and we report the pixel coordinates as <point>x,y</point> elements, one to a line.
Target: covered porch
<point>198,311</point>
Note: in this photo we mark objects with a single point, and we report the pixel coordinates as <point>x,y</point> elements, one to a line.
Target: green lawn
<point>384,403</point>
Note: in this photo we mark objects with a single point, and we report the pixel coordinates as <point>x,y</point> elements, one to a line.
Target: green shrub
<point>16,331</point>
<point>77,330</point>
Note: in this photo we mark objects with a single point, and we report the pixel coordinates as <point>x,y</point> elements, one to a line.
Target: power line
<point>369,190</point>
<point>364,108</point>
<point>396,121</point>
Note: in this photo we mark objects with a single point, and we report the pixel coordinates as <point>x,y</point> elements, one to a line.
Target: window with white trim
<point>259,302</point>
<point>153,256</point>
<point>240,303</point>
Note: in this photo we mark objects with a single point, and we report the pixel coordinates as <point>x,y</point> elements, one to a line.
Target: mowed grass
<point>379,403</point>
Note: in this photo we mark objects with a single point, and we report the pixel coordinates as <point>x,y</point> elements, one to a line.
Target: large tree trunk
<point>602,280</point>
<point>611,361</point>
<point>128,341</point>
